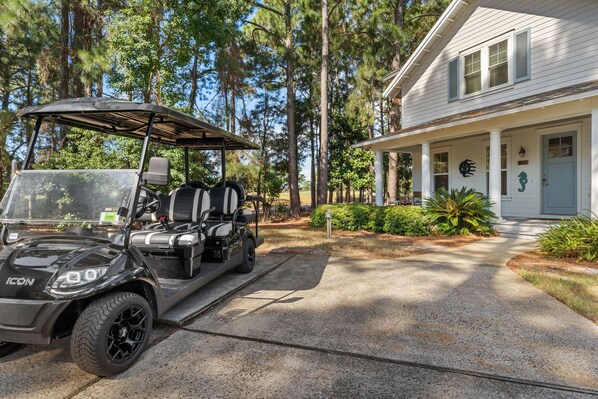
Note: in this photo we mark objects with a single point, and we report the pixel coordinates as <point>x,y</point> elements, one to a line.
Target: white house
<point>502,96</point>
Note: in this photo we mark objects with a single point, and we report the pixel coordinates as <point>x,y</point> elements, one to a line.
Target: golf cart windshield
<point>67,197</point>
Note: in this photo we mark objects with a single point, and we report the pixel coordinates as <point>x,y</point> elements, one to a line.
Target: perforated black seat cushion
<point>224,199</point>
<point>187,204</point>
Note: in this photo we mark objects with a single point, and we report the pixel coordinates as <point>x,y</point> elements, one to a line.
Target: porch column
<point>417,172</point>
<point>494,172</point>
<point>426,174</point>
<point>594,157</point>
<point>378,162</point>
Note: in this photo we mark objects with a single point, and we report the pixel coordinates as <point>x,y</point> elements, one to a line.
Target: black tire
<point>6,348</point>
<point>111,333</point>
<point>248,257</point>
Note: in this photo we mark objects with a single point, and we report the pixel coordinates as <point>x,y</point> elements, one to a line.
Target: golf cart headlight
<point>75,278</point>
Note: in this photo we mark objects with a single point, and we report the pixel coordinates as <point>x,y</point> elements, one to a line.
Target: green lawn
<point>576,290</point>
<point>304,195</point>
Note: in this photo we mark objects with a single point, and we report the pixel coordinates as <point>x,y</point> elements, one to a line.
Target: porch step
<point>524,229</point>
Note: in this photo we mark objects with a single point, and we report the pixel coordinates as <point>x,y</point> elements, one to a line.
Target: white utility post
<point>494,180</point>
<point>426,171</point>
<point>594,158</point>
<point>379,179</point>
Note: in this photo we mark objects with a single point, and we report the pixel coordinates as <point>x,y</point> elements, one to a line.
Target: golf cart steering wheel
<point>151,205</point>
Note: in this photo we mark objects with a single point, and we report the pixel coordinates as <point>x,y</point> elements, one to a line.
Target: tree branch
<point>333,7</point>
<point>431,14</point>
<point>268,8</point>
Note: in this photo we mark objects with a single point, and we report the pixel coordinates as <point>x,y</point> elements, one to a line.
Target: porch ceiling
<point>573,101</point>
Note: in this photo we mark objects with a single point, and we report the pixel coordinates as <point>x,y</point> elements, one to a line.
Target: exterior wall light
<point>522,152</point>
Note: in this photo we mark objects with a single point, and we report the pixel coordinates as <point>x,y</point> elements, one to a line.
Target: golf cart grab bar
<point>255,198</point>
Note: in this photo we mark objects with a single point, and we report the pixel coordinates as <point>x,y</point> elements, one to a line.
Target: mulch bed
<point>536,261</point>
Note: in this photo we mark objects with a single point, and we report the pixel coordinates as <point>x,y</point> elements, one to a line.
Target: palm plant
<point>460,211</point>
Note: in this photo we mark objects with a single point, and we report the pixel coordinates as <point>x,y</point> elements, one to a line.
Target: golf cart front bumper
<point>29,321</point>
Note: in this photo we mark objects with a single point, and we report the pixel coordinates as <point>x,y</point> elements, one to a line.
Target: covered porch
<point>535,158</point>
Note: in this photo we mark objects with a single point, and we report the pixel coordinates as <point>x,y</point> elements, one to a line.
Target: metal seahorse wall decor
<point>523,181</point>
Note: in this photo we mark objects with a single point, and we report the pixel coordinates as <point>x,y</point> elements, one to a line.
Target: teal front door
<point>559,168</point>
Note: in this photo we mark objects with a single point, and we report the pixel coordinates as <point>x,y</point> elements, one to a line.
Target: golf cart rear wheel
<point>248,257</point>
<point>6,348</point>
<point>111,333</point>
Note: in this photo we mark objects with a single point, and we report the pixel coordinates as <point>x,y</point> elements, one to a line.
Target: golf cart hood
<point>29,268</point>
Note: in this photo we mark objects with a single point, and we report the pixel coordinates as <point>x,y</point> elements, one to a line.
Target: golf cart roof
<point>131,119</point>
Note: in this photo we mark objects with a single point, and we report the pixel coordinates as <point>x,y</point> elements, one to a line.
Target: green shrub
<point>377,219</point>
<point>400,220</point>
<point>460,211</point>
<point>318,216</point>
<point>406,221</point>
<point>573,238</point>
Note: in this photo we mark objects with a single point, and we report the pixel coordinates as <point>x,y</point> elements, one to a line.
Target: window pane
<point>503,156</point>
<point>497,53</point>
<point>441,162</point>
<point>473,63</point>
<point>503,183</point>
<point>473,83</point>
<point>567,140</point>
<point>566,151</point>
<point>499,75</point>
<point>554,143</point>
<point>441,181</point>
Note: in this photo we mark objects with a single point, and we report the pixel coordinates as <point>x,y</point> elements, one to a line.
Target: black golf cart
<point>100,254</point>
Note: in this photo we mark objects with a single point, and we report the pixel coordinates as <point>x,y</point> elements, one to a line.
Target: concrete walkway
<point>455,324</point>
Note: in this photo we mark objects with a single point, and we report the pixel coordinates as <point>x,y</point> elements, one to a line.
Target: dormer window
<point>489,66</point>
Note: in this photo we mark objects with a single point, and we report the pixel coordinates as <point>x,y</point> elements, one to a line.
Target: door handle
<point>544,181</point>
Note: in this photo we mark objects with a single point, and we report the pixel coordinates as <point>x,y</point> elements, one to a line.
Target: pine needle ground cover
<point>298,236</point>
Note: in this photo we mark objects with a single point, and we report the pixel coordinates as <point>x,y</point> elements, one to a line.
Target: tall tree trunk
<point>64,49</point>
<point>193,92</point>
<point>292,146</point>
<point>395,110</point>
<point>313,185</point>
<point>323,164</point>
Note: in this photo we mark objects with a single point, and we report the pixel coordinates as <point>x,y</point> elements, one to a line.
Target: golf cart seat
<point>225,201</point>
<point>184,212</point>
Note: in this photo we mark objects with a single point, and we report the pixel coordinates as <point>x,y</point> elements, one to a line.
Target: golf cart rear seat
<point>225,201</point>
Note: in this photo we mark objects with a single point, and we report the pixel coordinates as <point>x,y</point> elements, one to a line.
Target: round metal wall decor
<point>467,168</point>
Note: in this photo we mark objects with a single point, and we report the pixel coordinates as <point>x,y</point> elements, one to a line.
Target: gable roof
<point>434,35</point>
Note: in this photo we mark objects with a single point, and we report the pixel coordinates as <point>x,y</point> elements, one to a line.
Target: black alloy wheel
<point>248,257</point>
<point>111,333</point>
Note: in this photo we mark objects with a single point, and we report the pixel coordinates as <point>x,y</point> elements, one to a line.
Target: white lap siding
<point>564,52</point>
<point>524,204</point>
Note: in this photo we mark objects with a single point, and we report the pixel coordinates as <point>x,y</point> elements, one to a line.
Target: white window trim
<point>484,65</point>
<point>437,151</point>
<point>486,144</point>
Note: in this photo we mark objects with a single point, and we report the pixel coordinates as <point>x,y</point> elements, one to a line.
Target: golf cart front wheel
<point>111,333</point>
<point>248,257</point>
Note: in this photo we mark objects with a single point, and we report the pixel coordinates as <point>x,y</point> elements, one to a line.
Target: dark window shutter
<point>453,80</point>
<point>522,55</point>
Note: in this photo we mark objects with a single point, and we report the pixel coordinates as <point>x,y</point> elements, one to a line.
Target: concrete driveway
<point>451,324</point>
